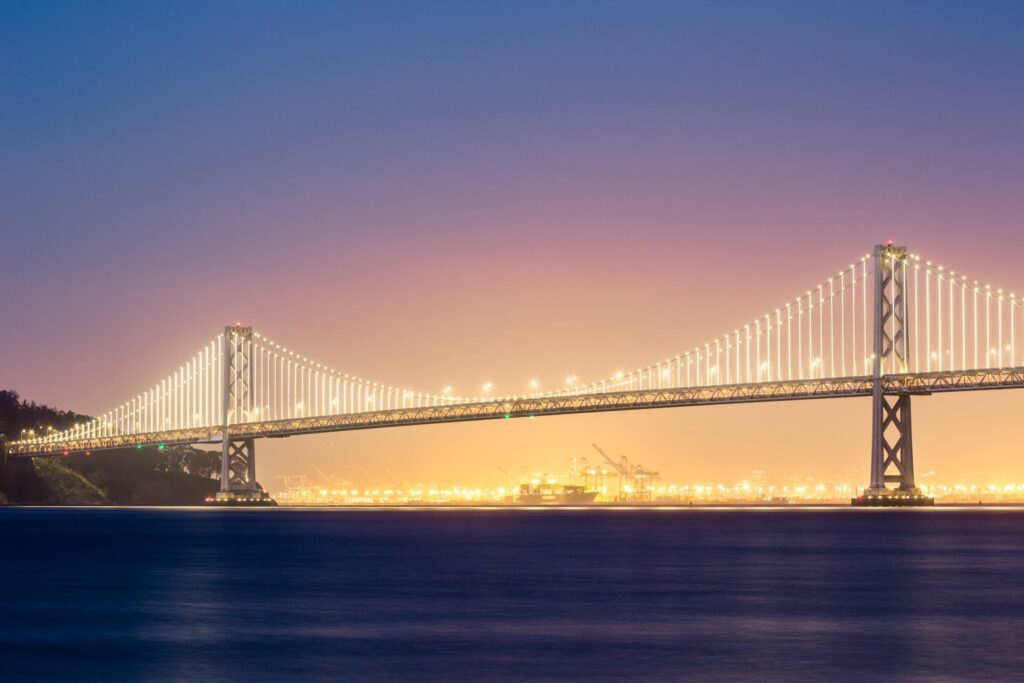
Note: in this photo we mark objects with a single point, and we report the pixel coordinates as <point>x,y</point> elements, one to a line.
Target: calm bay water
<point>136,594</point>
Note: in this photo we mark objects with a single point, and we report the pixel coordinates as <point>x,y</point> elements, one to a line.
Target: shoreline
<point>623,507</point>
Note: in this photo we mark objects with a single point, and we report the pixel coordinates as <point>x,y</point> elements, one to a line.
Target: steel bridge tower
<point>892,444</point>
<point>238,483</point>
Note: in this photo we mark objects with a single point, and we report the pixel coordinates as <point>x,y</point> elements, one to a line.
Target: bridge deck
<point>926,383</point>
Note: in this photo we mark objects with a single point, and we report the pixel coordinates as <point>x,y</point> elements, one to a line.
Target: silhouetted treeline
<point>17,415</point>
<point>175,475</point>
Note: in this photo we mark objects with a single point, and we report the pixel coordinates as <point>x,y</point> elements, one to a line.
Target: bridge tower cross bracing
<point>892,446</point>
<point>238,483</point>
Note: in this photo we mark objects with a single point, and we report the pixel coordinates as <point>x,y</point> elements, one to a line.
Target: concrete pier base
<point>257,498</point>
<point>884,497</point>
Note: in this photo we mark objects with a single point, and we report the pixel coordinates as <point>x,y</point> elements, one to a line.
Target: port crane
<point>637,477</point>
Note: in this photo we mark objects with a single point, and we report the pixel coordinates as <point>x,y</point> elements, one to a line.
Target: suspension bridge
<point>890,325</point>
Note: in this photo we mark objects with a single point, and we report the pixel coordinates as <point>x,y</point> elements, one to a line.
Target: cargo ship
<point>553,494</point>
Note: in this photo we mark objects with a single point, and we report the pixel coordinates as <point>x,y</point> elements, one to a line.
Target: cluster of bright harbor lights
<point>954,323</point>
<point>745,492</point>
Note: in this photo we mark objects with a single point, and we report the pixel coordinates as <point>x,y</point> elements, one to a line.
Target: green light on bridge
<point>160,447</point>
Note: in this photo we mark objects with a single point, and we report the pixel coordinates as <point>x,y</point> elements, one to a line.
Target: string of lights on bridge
<point>955,323</point>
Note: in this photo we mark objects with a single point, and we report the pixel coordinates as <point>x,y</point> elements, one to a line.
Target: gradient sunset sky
<point>441,194</point>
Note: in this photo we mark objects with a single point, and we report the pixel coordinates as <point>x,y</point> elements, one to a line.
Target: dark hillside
<point>176,475</point>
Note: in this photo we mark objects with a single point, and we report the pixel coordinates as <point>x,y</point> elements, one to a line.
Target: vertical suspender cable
<point>974,309</point>
<point>864,317</point>
<point>778,345</point>
<point>938,312</point>
<point>757,350</point>
<point>928,314</point>
<point>988,328</point>
<point>800,336</point>
<point>916,315</point>
<point>999,304</point>
<point>952,312</point>
<point>831,328</point>
<point>842,322</point>
<point>963,323</point>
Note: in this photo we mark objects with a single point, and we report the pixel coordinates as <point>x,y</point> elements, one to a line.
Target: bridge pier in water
<point>892,455</point>
<point>892,444</point>
<point>238,485</point>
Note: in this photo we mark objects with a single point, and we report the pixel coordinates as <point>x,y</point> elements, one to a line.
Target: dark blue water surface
<point>134,594</point>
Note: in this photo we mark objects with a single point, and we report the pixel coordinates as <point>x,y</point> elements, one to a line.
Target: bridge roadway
<point>677,397</point>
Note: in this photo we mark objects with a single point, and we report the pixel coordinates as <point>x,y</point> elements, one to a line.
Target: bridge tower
<point>892,445</point>
<point>238,485</point>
